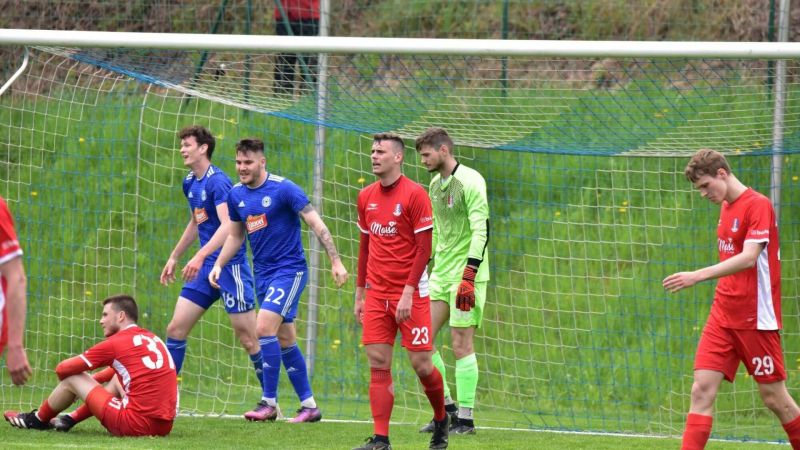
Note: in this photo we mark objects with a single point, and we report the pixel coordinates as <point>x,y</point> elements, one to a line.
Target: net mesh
<point>589,209</point>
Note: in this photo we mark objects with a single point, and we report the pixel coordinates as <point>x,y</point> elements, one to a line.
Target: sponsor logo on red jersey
<point>726,246</point>
<point>381,230</point>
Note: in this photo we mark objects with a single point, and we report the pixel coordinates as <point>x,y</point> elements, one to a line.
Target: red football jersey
<point>9,249</point>
<point>749,299</point>
<point>144,367</point>
<point>391,217</point>
<point>298,9</point>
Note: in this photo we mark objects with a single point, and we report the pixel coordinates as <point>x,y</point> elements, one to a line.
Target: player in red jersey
<point>396,221</point>
<point>12,299</point>
<point>745,320</point>
<point>139,401</point>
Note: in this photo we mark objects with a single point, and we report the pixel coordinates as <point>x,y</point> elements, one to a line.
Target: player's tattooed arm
<point>314,221</point>
<point>319,228</point>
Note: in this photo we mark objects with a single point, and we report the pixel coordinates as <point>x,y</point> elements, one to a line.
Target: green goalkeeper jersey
<point>460,224</point>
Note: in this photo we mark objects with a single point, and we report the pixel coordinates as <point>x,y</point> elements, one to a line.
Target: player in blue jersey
<point>267,209</point>
<point>206,188</point>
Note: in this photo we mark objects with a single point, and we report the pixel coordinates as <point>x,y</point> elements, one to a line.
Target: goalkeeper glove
<point>465,299</point>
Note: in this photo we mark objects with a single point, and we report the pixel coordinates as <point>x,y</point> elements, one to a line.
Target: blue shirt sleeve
<point>218,187</point>
<point>233,208</point>
<point>186,183</point>
<point>294,196</point>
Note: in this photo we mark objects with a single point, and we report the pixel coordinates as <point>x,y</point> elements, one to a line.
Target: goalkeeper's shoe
<point>25,420</point>
<point>63,423</point>
<point>463,426</point>
<point>452,411</point>
<point>262,412</point>
<point>441,433</point>
<point>373,443</point>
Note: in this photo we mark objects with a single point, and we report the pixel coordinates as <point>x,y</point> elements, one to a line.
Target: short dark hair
<point>394,137</point>
<point>201,135</point>
<point>435,137</point>
<point>706,162</point>
<point>250,145</point>
<point>124,303</point>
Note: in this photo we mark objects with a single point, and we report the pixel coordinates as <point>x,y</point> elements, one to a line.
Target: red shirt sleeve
<point>363,254</point>
<point>422,240</point>
<point>421,217</point>
<point>760,220</point>
<point>421,212</point>
<point>100,355</point>
<point>361,221</point>
<point>9,245</point>
<point>363,247</point>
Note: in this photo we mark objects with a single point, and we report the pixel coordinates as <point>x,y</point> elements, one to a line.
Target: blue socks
<point>258,364</point>
<point>296,370</point>
<point>271,354</point>
<point>177,349</point>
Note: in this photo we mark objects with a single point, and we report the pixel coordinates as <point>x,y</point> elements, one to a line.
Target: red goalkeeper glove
<point>465,299</point>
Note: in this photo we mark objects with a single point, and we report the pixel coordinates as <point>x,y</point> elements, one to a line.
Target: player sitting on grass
<point>139,401</point>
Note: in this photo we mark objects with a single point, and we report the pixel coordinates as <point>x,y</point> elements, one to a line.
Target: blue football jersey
<point>270,214</point>
<point>204,195</point>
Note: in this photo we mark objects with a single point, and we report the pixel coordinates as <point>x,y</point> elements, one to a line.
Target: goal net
<point>590,210</point>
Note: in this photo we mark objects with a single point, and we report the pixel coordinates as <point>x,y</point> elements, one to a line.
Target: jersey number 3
<point>153,347</point>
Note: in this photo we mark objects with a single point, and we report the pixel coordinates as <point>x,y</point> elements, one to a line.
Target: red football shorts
<point>380,325</point>
<point>722,349</point>
<point>121,421</point>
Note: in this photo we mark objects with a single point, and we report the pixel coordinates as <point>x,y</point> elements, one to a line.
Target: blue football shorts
<point>280,292</point>
<point>236,288</point>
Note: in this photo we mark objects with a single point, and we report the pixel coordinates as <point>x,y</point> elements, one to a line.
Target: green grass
<point>201,433</point>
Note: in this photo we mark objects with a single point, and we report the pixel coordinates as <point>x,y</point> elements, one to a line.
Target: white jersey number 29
<point>764,366</point>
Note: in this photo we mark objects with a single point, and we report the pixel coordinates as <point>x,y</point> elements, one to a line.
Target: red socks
<point>381,399</point>
<point>793,431</point>
<point>434,389</point>
<point>698,429</point>
<point>81,414</point>
<point>45,412</point>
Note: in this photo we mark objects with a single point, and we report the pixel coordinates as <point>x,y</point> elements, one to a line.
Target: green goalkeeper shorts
<point>446,292</point>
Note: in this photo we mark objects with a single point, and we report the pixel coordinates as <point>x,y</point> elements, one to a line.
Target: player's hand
<point>358,311</point>
<point>403,312</point>
<point>18,366</point>
<point>193,267</point>
<point>465,298</point>
<point>680,280</point>
<point>339,273</point>
<point>168,274</point>
<point>213,276</point>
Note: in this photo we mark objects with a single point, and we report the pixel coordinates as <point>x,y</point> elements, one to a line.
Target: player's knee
<point>176,330</point>
<point>286,341</point>
<point>462,348</point>
<point>379,360</point>
<point>422,366</point>
<point>702,393</point>
<point>249,341</point>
